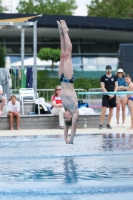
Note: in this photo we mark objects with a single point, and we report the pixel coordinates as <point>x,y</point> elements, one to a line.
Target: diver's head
<point>68,122</point>
<point>68,118</point>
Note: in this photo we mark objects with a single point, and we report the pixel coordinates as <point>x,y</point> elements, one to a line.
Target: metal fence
<point>95,100</point>
<point>14,79</point>
<point>47,93</point>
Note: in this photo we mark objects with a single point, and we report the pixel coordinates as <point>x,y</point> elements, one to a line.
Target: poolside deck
<point>79,130</point>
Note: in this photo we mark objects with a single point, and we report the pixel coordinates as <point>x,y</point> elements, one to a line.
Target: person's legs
<point>68,69</point>
<point>118,109</point>
<point>3,100</point>
<point>55,111</point>
<point>102,115</point>
<point>110,115</point>
<point>61,119</point>
<point>59,112</point>
<point>11,120</point>
<point>112,104</point>
<point>123,102</point>
<point>105,102</point>
<point>130,105</point>
<point>18,121</point>
<point>62,44</point>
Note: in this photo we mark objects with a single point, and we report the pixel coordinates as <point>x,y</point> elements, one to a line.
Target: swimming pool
<point>97,166</point>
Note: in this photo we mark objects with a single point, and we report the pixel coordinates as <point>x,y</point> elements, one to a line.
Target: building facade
<point>95,40</point>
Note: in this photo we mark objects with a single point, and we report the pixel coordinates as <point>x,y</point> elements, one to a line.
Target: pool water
<point>96,167</point>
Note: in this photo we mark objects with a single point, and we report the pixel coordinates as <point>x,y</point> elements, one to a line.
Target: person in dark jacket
<point>109,83</point>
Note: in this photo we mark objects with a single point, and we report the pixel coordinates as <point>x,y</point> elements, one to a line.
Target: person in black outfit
<point>108,84</point>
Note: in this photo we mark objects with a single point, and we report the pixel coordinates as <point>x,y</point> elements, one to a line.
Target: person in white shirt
<point>2,100</point>
<point>14,111</point>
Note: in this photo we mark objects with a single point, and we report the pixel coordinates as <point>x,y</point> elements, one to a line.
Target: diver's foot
<point>67,141</point>
<point>59,27</point>
<point>70,142</point>
<point>11,128</point>
<point>18,128</point>
<point>65,29</point>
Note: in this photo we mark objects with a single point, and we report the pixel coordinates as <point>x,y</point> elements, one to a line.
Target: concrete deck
<point>79,131</point>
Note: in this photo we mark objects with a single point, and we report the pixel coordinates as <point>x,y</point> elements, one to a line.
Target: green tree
<point>2,9</point>
<point>2,57</point>
<point>111,8</point>
<point>49,54</point>
<point>51,7</point>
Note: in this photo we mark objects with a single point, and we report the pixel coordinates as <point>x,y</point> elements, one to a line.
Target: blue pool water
<point>96,167</point>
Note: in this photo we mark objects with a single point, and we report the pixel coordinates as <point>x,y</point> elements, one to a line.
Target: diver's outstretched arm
<point>73,128</point>
<point>66,133</point>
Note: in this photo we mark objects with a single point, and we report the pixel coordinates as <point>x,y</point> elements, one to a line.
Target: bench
<point>49,121</point>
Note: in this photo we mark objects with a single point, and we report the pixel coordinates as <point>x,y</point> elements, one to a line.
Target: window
<point>75,48</point>
<point>29,49</point>
<point>105,47</point>
<point>89,64</point>
<point>103,61</point>
<point>12,48</point>
<point>13,39</point>
<point>51,45</point>
<point>87,48</point>
<point>99,63</point>
<point>77,64</point>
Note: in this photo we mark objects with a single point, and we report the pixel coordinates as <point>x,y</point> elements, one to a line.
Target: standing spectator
<point>2,100</point>
<point>129,99</point>
<point>108,84</point>
<point>14,111</point>
<point>121,99</point>
<point>57,108</point>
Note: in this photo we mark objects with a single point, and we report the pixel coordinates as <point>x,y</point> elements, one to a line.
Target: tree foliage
<point>51,7</point>
<point>49,54</point>
<point>111,8</point>
<point>2,9</point>
<point>2,57</point>
<point>44,81</point>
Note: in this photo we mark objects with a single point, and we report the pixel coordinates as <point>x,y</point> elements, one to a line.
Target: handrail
<point>107,93</point>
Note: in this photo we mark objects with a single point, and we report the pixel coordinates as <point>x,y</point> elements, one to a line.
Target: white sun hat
<point>120,70</point>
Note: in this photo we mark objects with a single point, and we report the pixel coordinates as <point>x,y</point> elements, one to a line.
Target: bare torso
<point>69,97</point>
<point>130,88</point>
